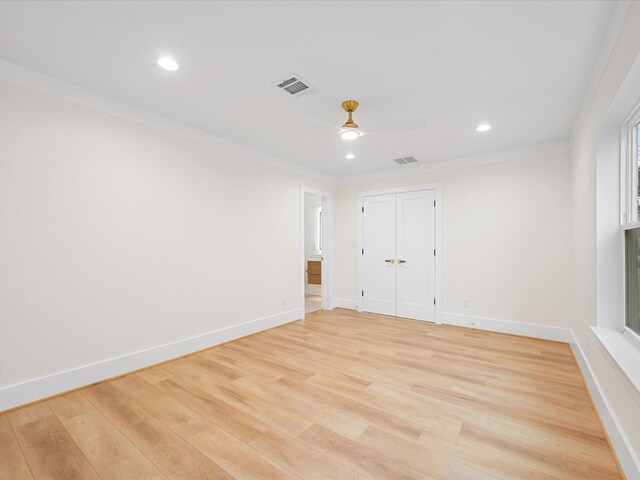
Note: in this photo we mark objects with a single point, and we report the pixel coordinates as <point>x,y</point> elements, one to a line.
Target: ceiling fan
<point>350,127</point>
<point>351,133</point>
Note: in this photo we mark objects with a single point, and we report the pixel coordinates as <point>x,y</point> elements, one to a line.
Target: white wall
<point>505,236</point>
<point>115,237</point>
<point>623,399</point>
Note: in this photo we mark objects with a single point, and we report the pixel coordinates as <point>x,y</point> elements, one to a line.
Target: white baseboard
<point>505,326</point>
<point>43,387</point>
<point>15,395</point>
<point>345,303</point>
<point>628,461</point>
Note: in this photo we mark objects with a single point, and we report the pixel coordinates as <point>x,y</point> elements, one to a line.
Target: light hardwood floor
<point>340,395</point>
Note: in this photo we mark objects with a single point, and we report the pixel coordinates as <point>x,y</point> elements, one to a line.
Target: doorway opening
<point>316,218</point>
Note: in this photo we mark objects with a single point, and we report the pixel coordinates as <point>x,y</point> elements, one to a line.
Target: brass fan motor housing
<point>350,106</point>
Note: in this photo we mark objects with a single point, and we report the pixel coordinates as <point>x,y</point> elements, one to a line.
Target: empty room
<point>364,240</point>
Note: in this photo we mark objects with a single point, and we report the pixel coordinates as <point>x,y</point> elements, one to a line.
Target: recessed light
<point>349,134</point>
<point>349,156</point>
<point>168,63</point>
<point>484,127</point>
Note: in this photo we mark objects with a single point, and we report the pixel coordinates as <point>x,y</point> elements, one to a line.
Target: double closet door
<point>398,232</point>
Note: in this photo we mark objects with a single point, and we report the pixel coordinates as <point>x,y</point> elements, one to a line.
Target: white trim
<point>439,254</point>
<point>525,329</point>
<point>632,335</point>
<point>438,222</point>
<point>24,77</point>
<point>623,174</point>
<point>43,387</point>
<point>345,303</point>
<point>624,349</point>
<point>27,78</point>
<point>400,189</point>
<point>327,253</point>
<point>610,39</point>
<point>628,460</point>
<point>631,226</point>
<point>514,154</point>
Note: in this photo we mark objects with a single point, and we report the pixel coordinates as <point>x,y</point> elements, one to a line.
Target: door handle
<point>390,260</point>
<point>402,261</point>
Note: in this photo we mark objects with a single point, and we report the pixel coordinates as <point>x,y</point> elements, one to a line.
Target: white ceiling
<point>521,66</point>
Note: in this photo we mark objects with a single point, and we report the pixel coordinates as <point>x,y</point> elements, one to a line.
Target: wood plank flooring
<point>340,395</point>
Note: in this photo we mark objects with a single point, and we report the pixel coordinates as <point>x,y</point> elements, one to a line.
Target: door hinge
<point>434,252</point>
<point>434,203</point>
<point>434,301</point>
<point>363,251</point>
<point>363,293</point>
<point>362,209</point>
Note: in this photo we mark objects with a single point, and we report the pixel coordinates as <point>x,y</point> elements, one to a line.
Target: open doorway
<point>312,252</point>
<point>315,208</point>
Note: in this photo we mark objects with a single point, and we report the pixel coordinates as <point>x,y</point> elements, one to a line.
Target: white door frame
<point>327,248</point>
<point>438,221</point>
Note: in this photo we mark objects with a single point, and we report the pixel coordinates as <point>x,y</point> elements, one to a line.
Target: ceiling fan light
<point>168,63</point>
<point>349,134</point>
<point>349,156</point>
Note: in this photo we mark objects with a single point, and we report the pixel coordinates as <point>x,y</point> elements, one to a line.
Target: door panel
<point>415,254</point>
<point>379,242</point>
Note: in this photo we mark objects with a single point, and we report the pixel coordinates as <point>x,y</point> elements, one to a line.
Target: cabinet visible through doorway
<point>314,272</point>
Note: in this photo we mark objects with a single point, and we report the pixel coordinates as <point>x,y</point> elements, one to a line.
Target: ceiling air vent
<point>405,160</point>
<point>293,85</point>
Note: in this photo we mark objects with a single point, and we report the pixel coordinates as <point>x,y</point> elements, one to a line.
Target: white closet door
<point>379,235</point>
<point>415,255</point>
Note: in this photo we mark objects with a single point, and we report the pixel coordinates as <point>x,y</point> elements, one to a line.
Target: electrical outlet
<point>473,324</point>
<point>467,304</point>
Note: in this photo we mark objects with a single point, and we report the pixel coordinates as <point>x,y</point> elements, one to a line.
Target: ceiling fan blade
<point>324,123</point>
<point>397,126</point>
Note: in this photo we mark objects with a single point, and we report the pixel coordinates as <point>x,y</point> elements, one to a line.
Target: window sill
<point>625,352</point>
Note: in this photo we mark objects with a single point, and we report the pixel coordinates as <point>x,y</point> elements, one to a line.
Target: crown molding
<point>25,77</point>
<point>472,161</point>
<point>39,82</point>
<point>608,43</point>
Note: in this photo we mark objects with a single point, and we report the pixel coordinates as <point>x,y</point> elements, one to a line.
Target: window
<point>631,169</point>
<point>635,149</point>
<point>319,242</point>
<point>631,221</point>
<point>618,230</point>
<point>632,274</point>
